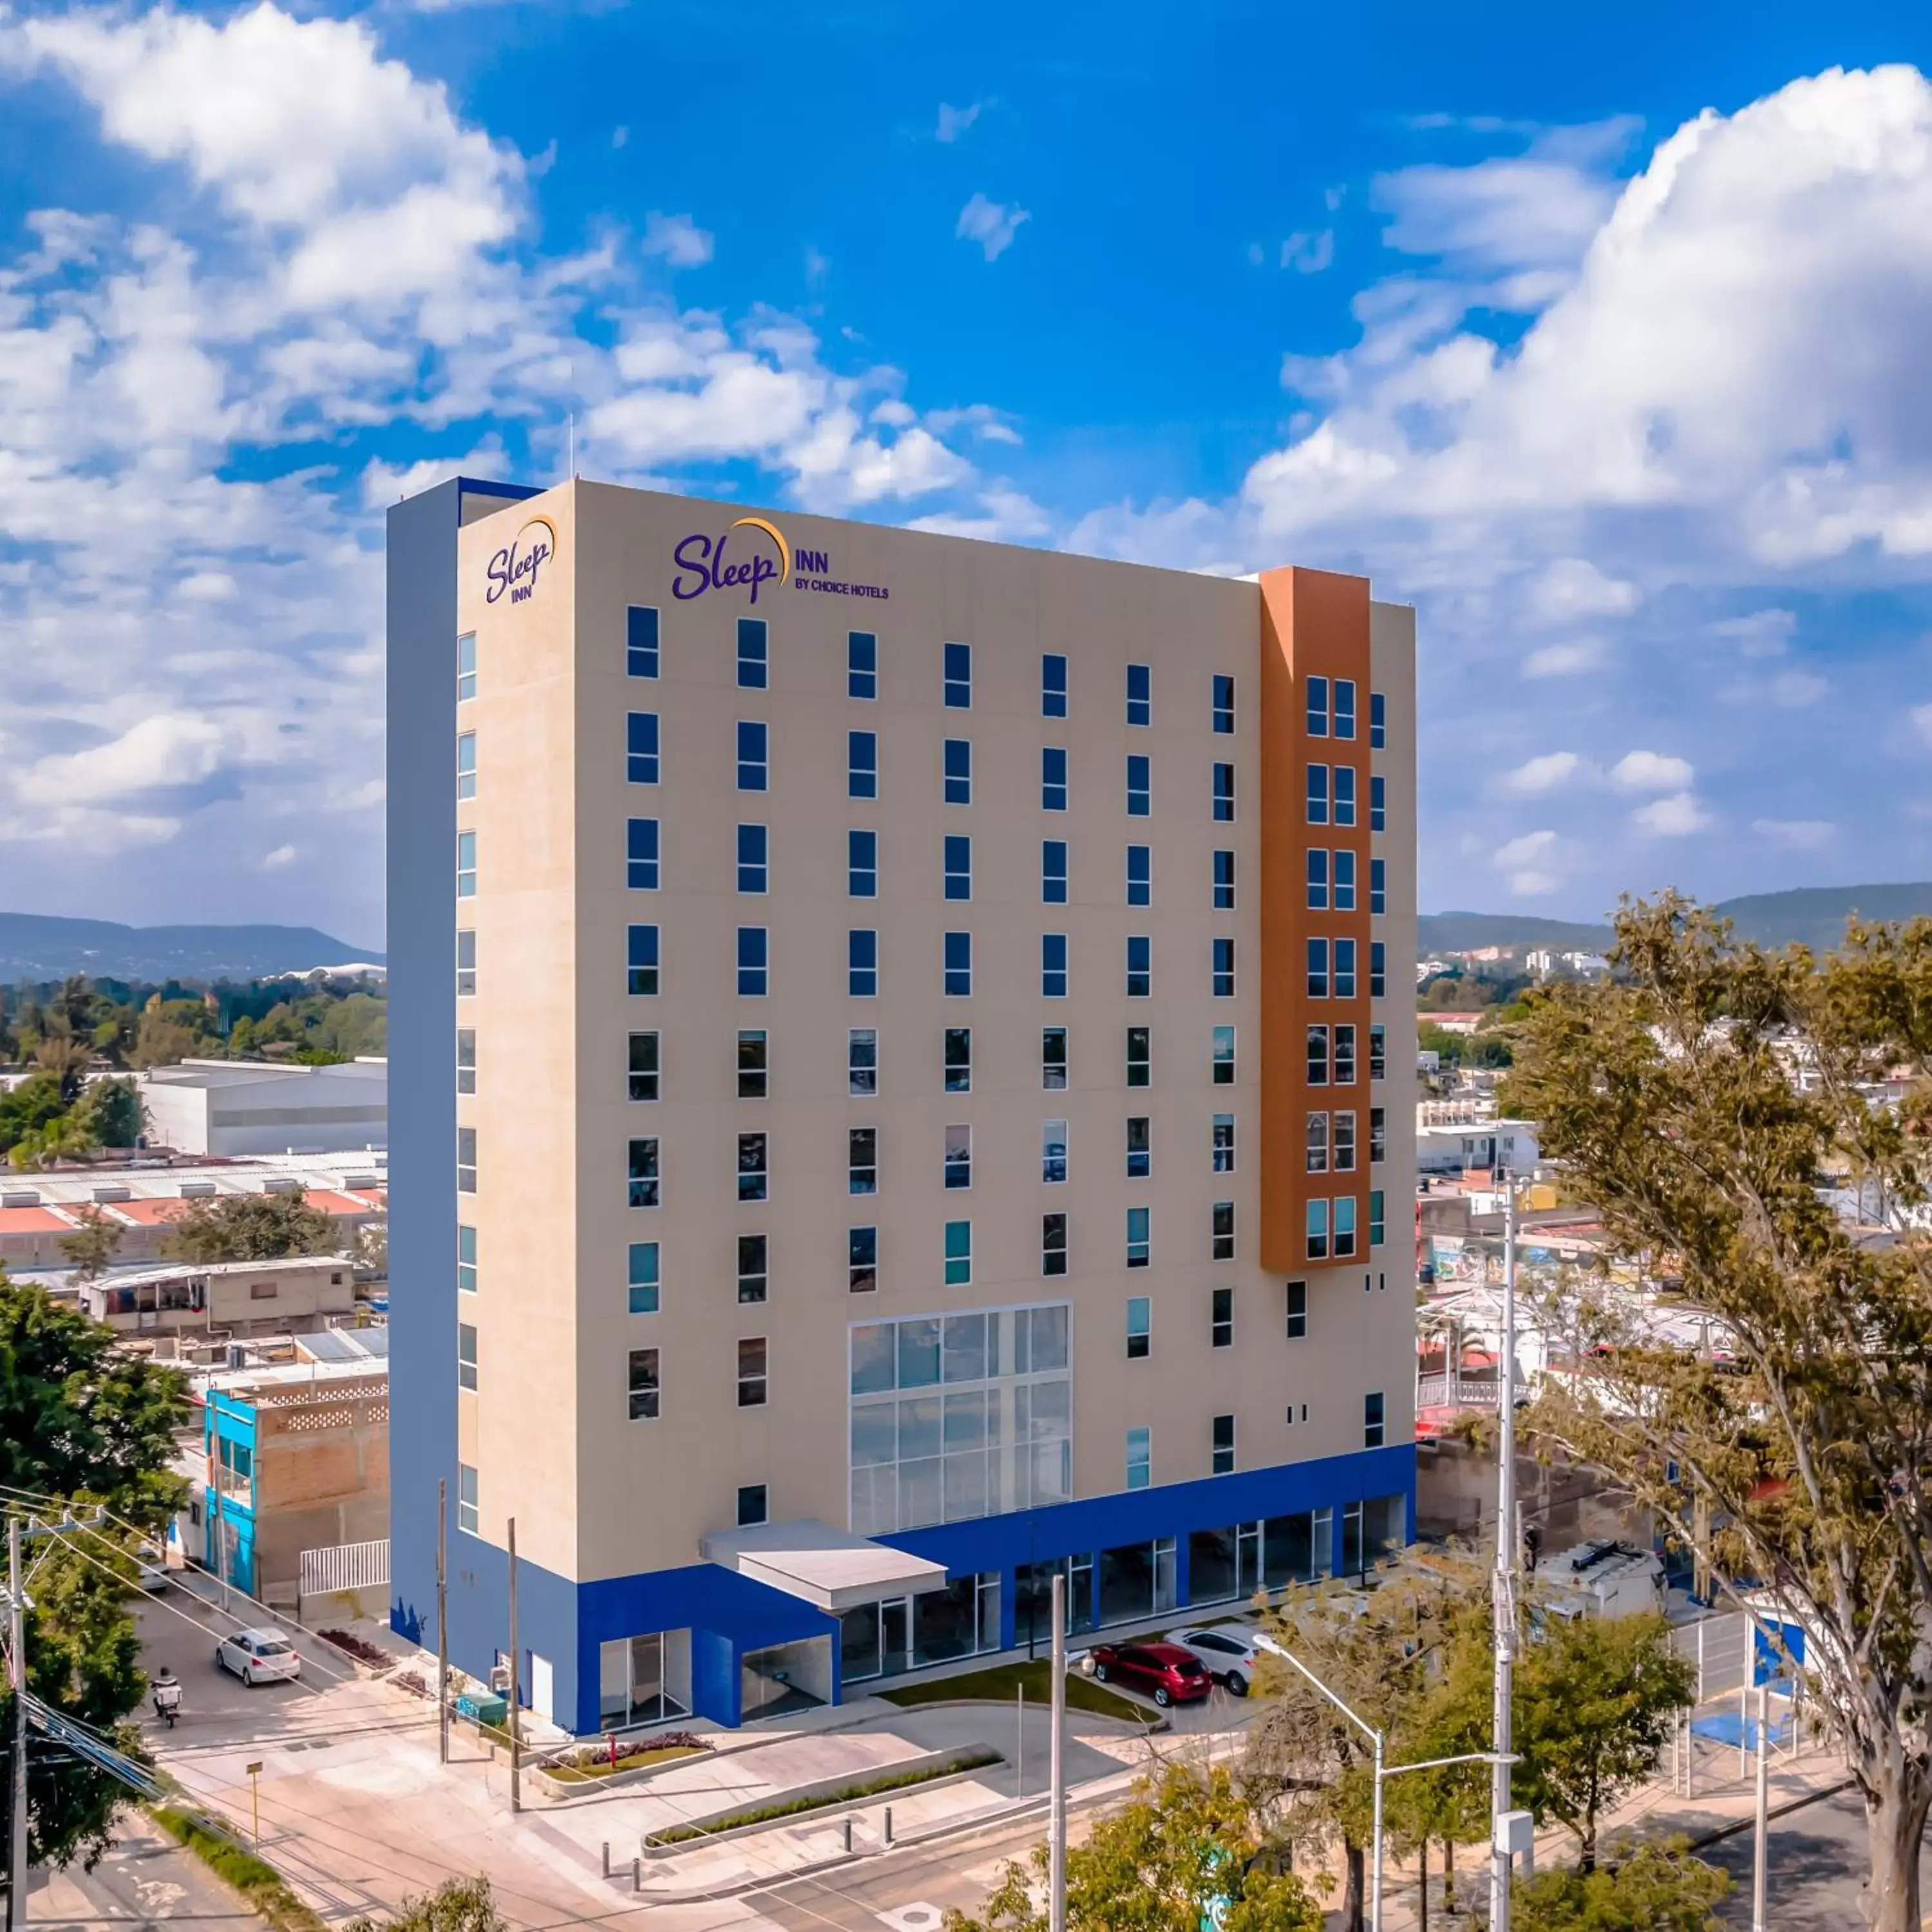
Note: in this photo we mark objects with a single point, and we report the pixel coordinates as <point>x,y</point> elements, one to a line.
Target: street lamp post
<point>1505,1592</point>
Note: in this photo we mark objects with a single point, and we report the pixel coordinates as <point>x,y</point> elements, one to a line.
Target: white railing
<point>344,1566</point>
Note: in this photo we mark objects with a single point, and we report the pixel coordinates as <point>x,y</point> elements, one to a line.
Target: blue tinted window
<point>641,641</point>
<point>1052,686</point>
<point>1345,707</point>
<point>958,771</point>
<point>753,961</point>
<point>1318,794</point>
<point>958,863</point>
<point>861,964</point>
<point>1317,693</point>
<point>1345,794</point>
<point>641,748</point>
<point>1345,881</point>
<point>1053,965</point>
<point>752,645</point>
<point>1140,967</point>
<point>862,865</point>
<point>1140,875</point>
<point>1224,704</point>
<point>752,756</point>
<point>862,764</point>
<point>1053,871</point>
<point>1224,882</point>
<point>958,680</point>
<point>1318,879</point>
<point>1052,778</point>
<point>1140,796</point>
<point>1317,969</point>
<point>641,855</point>
<point>1378,721</point>
<point>643,960</point>
<point>1224,969</point>
<point>958,964</point>
<point>752,869</point>
<point>862,664</point>
<point>1140,694</point>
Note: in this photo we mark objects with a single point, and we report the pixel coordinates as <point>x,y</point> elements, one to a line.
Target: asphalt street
<point>145,1880</point>
<point>1817,1864</point>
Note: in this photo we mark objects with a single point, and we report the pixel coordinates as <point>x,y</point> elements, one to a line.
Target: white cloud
<point>677,238</point>
<point>1922,721</point>
<point>1675,816</point>
<point>1760,633</point>
<point>1796,834</point>
<point>282,855</point>
<point>1527,861</point>
<point>1543,774</point>
<point>1795,690</point>
<point>169,750</point>
<point>990,223</point>
<point>1572,586</point>
<point>1564,660</point>
<point>954,121</point>
<point>1308,254</point>
<point>1651,771</point>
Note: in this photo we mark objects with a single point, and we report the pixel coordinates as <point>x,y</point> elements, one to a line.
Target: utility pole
<point>442,1619</point>
<point>1505,1591</point>
<point>516,1754</point>
<point>1056,1879</point>
<point>1759,1867</point>
<point>16,1814</point>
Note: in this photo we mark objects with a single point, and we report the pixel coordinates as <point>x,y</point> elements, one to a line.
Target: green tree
<point>457,1905</point>
<point>66,1137</point>
<point>93,1243</point>
<point>29,1106</point>
<point>66,1057</point>
<point>251,1227</point>
<point>1805,1461</point>
<point>112,1110</point>
<point>1186,1841</point>
<point>173,1030</point>
<point>1656,1889</point>
<point>241,1041</point>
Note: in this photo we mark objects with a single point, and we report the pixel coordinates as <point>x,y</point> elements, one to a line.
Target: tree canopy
<point>251,1227</point>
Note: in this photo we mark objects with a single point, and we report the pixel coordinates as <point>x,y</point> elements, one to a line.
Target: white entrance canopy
<point>830,1568</point>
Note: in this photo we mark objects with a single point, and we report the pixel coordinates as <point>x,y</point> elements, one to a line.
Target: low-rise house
<point>294,1294</point>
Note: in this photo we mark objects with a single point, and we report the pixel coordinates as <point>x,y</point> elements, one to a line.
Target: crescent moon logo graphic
<point>777,536</point>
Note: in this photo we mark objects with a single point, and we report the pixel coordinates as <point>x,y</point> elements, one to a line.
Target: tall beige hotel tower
<point>901,1086</point>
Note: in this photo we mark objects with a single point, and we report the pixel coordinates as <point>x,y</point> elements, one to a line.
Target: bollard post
<point>888,1831</point>
<point>636,1874</point>
<point>848,1833</point>
<point>607,1858</point>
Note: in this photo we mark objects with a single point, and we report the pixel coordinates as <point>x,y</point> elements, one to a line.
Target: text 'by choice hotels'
<point>730,562</point>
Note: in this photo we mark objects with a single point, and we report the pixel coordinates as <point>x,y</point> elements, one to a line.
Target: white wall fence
<point>342,1569</point>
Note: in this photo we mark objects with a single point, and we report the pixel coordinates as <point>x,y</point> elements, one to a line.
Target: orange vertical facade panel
<point>1315,623</point>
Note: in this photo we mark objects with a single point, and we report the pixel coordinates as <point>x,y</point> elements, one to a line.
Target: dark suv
<point>1164,1671</point>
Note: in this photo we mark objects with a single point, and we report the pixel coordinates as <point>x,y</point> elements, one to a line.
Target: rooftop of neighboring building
<point>355,1183</point>
<point>244,1073</point>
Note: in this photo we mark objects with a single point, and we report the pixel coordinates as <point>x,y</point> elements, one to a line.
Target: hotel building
<point>892,1094</point>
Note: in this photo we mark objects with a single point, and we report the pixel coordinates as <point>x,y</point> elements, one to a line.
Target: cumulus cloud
<point>1308,254</point>
<point>1651,771</point>
<point>954,121</point>
<point>1542,774</point>
<point>1528,862</point>
<point>677,238</point>
<point>1675,816</point>
<point>990,223</point>
<point>1563,660</point>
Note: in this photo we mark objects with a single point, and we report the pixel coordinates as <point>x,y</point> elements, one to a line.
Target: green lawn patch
<point>256,1880</point>
<point>1001,1684</point>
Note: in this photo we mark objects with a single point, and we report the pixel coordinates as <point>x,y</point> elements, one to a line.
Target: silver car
<point>263,1656</point>
<point>1228,1652</point>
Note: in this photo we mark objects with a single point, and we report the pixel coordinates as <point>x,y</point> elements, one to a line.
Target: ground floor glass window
<point>644,1680</point>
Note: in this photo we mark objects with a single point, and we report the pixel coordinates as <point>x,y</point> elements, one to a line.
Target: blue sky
<point>1607,342</point>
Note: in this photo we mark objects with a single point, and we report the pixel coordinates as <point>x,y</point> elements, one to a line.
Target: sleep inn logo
<point>730,562</point>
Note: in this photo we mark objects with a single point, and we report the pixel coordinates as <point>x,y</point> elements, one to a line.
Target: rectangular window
<point>1371,1420</point>
<point>753,1066</point>
<point>862,1160</point>
<point>1345,1142</point>
<point>641,641</point>
<point>466,666</point>
<point>1053,1244</point>
<point>466,865</point>
<point>1053,871</point>
<point>1345,707</point>
<point>1345,1056</point>
<point>1376,1218</point>
<point>643,1278</point>
<point>1318,879</point>
<point>466,1259</point>
<point>1345,969</point>
<point>1224,705</point>
<point>1140,967</point>
<point>958,866</point>
<point>466,963</point>
<point>1378,969</point>
<point>1297,1311</point>
<point>958,771</point>
<point>1378,721</point>
<point>1345,795</point>
<point>466,1060</point>
<point>1052,778</point>
<point>1224,882</point>
<point>752,854</point>
<point>861,1260</point>
<point>754,755</point>
<point>1378,1134</point>
<point>1140,694</point>
<point>1221,1318</point>
<point>1317,692</point>
<point>1140,1147</point>
<point>754,644</point>
<point>1140,1056</point>
<point>643,1068</point>
<point>644,1179</point>
<point>1345,881</point>
<point>862,664</point>
<point>862,865</point>
<point>643,1384</point>
<point>754,956</point>
<point>465,764</point>
<point>1344,1226</point>
<point>1053,1059</point>
<point>642,960</point>
<point>467,1517</point>
<point>1223,1056</point>
<point>862,964</point>
<point>1140,785</point>
<point>957,1054</point>
<point>958,677</point>
<point>640,854</point>
<point>1317,1230</point>
<point>958,1168</point>
<point>1317,795</point>
<point>1377,1059</point>
<point>1053,1152</point>
<point>1316,1140</point>
<point>1138,1245</point>
<point>1224,794</point>
<point>753,1507</point>
<point>1378,804</point>
<point>1317,969</point>
<point>1223,969</point>
<point>1140,875</point>
<point>1221,1455</point>
<point>958,1253</point>
<point>862,764</point>
<point>1052,686</point>
<point>1378,887</point>
<point>1140,1328</point>
<point>466,1160</point>
<point>862,1062</point>
<point>958,976</point>
<point>1053,965</point>
<point>1318,1056</point>
<point>465,1356</point>
<point>1222,1143</point>
<point>753,1359</point>
<point>754,1167</point>
<point>1223,1223</point>
<point>1140,1458</point>
<point>641,748</point>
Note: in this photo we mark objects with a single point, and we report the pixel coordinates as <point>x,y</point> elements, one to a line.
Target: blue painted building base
<point>729,1615</point>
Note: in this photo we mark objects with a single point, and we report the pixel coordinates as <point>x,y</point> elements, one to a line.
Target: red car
<point>1164,1671</point>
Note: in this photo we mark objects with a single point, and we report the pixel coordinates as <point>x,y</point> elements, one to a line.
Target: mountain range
<point>34,945</point>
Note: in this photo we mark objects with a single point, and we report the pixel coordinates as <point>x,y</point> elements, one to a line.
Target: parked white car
<point>1227,1651</point>
<point>264,1656</point>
